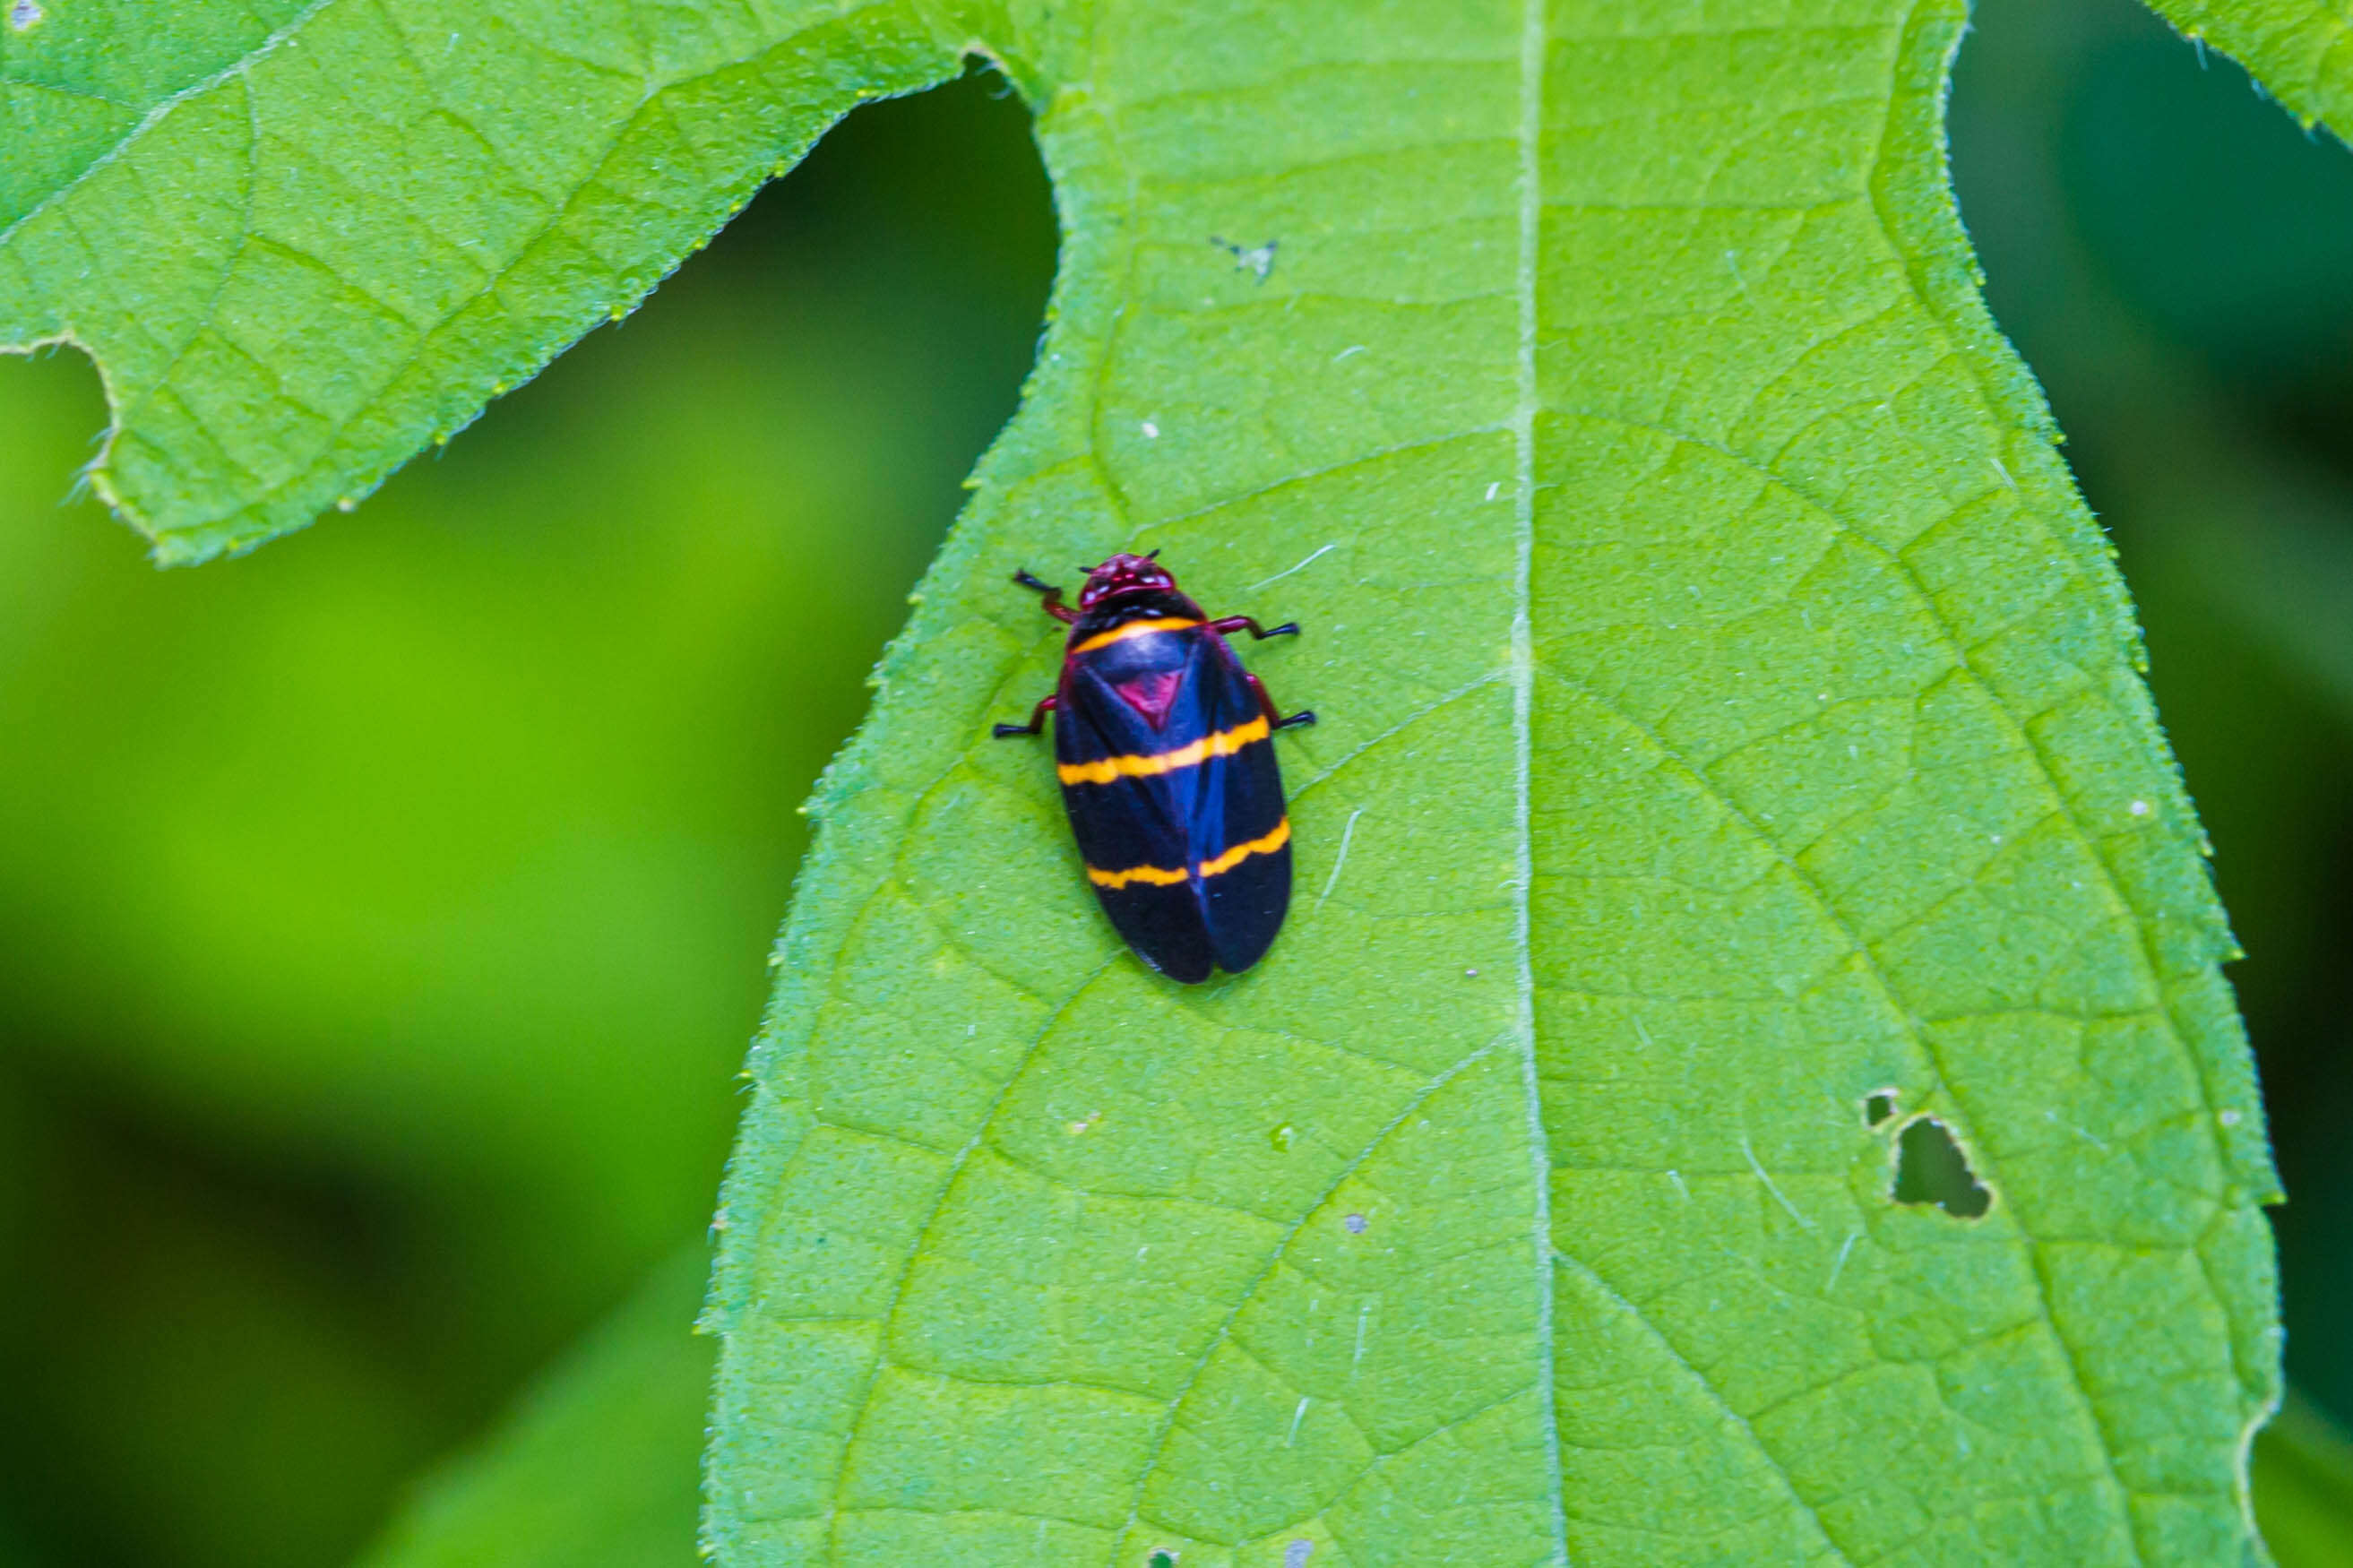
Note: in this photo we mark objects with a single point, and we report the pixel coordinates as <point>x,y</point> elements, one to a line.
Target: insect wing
<point>1132,822</point>
<point>1169,776</point>
<point>1239,831</point>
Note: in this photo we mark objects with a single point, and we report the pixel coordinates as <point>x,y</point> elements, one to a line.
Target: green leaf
<point>596,1468</point>
<point>1729,718</point>
<point>1747,1078</point>
<point>2295,48</point>
<point>74,87</point>
<point>336,245</point>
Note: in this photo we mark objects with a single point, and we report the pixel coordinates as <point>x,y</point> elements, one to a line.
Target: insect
<point>1164,747</point>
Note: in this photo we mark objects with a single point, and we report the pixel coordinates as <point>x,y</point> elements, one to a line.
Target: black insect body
<point>1164,747</point>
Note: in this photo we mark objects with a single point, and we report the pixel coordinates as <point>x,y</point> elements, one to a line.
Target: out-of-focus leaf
<point>2277,557</point>
<point>2304,1487</point>
<point>14,1553</point>
<point>444,848</point>
<point>598,1466</point>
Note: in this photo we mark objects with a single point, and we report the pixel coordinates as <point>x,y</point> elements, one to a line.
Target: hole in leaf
<point>1931,1169</point>
<point>1877,1108</point>
<point>1162,1557</point>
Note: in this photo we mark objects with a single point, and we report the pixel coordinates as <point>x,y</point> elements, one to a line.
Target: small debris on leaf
<point>1258,258</point>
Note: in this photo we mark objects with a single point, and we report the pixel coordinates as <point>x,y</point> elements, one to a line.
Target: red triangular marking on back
<point>1150,695</point>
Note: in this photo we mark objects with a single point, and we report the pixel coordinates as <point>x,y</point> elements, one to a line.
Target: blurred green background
<point>384,914</point>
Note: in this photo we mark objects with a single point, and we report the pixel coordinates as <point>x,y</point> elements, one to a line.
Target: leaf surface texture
<point>1734,777</point>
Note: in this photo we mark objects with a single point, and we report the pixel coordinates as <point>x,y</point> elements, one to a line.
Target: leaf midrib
<point>1532,41</point>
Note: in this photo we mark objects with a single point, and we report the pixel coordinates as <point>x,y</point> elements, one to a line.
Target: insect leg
<point>1036,720</point>
<point>1053,606</point>
<point>1229,624</point>
<point>1266,705</point>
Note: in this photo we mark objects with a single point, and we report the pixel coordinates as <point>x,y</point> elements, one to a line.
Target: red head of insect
<point>1123,574</point>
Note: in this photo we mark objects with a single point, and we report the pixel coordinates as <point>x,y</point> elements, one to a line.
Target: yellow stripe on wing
<point>1224,744</point>
<point>1133,629</point>
<point>1274,840</point>
<point>1163,877</point>
<point>1158,876</point>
